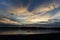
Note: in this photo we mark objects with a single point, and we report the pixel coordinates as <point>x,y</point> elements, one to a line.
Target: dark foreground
<point>52,36</point>
<point>25,33</point>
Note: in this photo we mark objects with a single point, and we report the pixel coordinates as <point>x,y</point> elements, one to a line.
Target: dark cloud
<point>34,3</point>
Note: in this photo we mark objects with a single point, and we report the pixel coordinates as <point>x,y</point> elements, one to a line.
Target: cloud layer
<point>28,11</point>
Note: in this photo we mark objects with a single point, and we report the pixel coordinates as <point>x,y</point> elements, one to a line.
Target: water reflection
<point>20,31</point>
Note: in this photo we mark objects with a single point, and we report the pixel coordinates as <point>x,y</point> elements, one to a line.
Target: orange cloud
<point>7,21</point>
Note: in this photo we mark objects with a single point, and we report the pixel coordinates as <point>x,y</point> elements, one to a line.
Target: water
<point>25,31</point>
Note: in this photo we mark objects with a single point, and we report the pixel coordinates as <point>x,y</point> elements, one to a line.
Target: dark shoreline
<point>32,28</point>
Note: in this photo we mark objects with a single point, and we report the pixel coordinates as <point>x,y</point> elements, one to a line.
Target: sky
<point>28,11</point>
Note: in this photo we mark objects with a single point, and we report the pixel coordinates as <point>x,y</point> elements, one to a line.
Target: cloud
<point>27,11</point>
<point>45,8</point>
<point>44,12</point>
<point>57,15</point>
<point>8,21</point>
